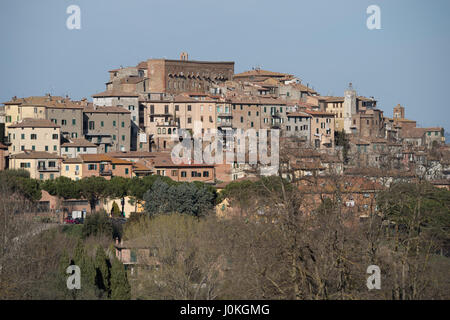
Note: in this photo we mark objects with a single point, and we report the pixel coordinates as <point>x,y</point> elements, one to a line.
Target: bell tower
<point>349,107</point>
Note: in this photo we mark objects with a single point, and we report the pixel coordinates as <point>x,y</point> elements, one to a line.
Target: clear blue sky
<point>325,43</point>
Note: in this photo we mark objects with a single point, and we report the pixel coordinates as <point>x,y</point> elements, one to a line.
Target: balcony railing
<point>48,169</point>
<point>276,114</point>
<point>224,115</point>
<point>226,124</point>
<point>275,125</point>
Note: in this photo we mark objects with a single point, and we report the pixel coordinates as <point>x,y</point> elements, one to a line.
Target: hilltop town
<point>127,130</point>
<point>351,188</point>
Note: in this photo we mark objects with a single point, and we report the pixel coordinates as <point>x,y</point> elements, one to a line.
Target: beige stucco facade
<point>41,165</point>
<point>34,135</point>
<point>72,168</point>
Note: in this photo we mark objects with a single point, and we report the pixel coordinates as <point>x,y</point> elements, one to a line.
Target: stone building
<point>173,76</point>
<point>298,125</point>
<point>107,127</point>
<point>74,147</point>
<point>35,135</point>
<point>62,111</point>
<point>127,100</point>
<point>41,165</point>
<point>322,129</point>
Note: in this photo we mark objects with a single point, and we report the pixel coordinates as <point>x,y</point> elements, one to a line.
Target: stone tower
<point>349,107</point>
<point>399,112</point>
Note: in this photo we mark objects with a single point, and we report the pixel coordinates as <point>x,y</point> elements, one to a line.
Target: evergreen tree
<point>87,269</point>
<point>115,211</point>
<point>120,288</point>
<point>102,268</point>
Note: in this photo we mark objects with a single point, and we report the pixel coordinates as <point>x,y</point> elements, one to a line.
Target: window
<point>183,174</point>
<point>91,125</point>
<point>64,122</point>
<point>123,138</point>
<point>46,148</point>
<point>205,173</point>
<point>74,122</point>
<point>55,148</point>
<point>123,124</point>
<point>130,108</point>
<point>102,124</point>
<point>33,136</point>
<point>242,119</point>
<point>189,107</point>
<point>52,176</point>
<point>33,148</point>
<point>177,107</point>
<point>114,123</point>
<point>25,165</point>
<point>189,120</point>
<point>114,137</point>
<point>126,170</point>
<point>92,167</point>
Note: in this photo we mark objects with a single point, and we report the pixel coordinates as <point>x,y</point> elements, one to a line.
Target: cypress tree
<point>102,269</point>
<point>120,288</point>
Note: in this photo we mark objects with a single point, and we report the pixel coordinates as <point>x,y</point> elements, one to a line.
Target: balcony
<point>224,115</point>
<point>48,169</point>
<point>275,114</point>
<point>170,123</point>
<point>226,124</point>
<point>105,172</point>
<point>275,125</point>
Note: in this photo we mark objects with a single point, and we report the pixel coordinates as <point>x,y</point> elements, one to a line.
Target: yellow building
<point>41,165</point>
<point>18,109</point>
<point>129,206</point>
<point>35,135</point>
<point>72,168</point>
